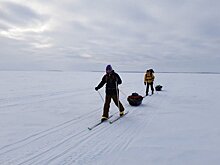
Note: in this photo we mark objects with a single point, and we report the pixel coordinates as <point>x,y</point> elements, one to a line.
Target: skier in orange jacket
<point>149,80</point>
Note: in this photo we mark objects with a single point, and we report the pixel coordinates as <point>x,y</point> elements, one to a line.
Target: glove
<point>96,88</point>
<point>144,83</point>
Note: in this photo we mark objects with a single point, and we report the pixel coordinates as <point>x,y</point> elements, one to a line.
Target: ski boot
<point>122,113</point>
<point>104,118</point>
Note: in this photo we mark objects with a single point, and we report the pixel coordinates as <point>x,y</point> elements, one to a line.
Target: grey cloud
<point>19,14</point>
<point>137,33</point>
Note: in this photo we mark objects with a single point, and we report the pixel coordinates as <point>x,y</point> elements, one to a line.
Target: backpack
<point>151,70</point>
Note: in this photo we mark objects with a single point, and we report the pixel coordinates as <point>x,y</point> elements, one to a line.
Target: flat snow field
<point>44,119</point>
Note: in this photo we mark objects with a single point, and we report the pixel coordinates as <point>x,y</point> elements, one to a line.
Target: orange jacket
<point>148,77</point>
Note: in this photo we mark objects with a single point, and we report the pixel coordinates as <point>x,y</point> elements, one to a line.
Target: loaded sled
<point>135,99</point>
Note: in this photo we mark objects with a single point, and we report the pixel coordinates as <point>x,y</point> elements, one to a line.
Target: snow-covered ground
<point>44,119</point>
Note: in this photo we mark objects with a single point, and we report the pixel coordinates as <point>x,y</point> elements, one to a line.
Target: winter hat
<point>108,68</point>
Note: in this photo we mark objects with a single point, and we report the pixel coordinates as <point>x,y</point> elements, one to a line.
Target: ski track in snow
<point>72,143</point>
<point>68,142</point>
<point>75,146</point>
<point>37,143</point>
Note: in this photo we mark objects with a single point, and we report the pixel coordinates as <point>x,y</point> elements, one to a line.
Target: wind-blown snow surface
<point>44,118</point>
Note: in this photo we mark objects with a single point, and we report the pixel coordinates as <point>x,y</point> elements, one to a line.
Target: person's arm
<point>101,84</point>
<point>118,79</point>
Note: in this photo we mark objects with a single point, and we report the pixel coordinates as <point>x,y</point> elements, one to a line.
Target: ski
<point>99,123</point>
<point>119,117</point>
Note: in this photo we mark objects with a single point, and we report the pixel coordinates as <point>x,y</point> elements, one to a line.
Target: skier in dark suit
<point>112,80</point>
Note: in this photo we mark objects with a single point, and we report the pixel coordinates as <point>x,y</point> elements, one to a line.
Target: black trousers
<point>151,85</point>
<point>108,99</point>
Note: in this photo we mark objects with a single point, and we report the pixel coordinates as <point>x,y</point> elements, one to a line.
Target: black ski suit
<point>112,80</point>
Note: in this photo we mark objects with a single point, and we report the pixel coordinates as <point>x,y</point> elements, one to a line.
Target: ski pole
<point>123,93</point>
<point>101,96</point>
<point>117,91</point>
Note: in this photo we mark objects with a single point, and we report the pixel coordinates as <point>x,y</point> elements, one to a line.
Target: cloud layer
<point>167,35</point>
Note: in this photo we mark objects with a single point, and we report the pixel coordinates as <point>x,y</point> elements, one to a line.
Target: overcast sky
<point>167,35</point>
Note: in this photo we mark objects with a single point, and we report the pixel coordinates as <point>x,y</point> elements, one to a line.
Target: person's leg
<point>152,88</point>
<point>106,106</point>
<point>147,89</point>
<point>116,101</point>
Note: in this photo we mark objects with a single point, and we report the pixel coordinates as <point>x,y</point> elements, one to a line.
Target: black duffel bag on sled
<point>135,99</point>
<point>158,88</point>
